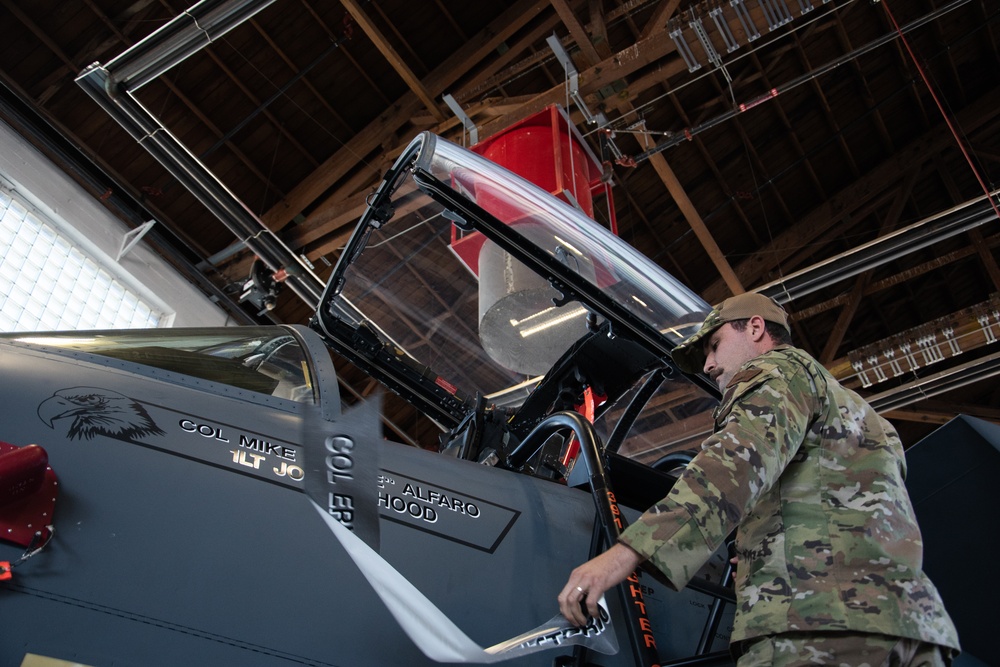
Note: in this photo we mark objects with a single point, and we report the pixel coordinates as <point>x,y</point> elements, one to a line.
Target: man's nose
<point>709,365</point>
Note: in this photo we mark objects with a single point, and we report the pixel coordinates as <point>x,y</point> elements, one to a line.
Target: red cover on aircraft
<point>28,490</point>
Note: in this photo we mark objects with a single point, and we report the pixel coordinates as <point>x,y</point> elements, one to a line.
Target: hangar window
<point>48,282</point>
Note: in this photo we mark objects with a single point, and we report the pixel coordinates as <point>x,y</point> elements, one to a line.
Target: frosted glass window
<point>47,284</point>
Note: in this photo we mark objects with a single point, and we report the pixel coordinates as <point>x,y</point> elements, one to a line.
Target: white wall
<point>41,183</point>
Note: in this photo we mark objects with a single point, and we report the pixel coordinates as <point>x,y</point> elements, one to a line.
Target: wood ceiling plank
<point>861,282</point>
<point>275,122</point>
<point>346,52</point>
<point>497,71</point>
<point>96,48</point>
<point>604,73</point>
<point>790,133</point>
<point>966,327</point>
<point>451,20</point>
<point>975,234</point>
<point>877,180</point>
<point>717,173</point>
<point>296,71</point>
<point>412,56</point>
<point>361,145</point>
<point>390,54</point>
<point>598,26</point>
<point>986,257</point>
<point>883,131</point>
<point>901,277</point>
<point>579,35</point>
<point>687,208</point>
<point>698,226</point>
<point>658,21</point>
<point>41,36</point>
<point>922,416</point>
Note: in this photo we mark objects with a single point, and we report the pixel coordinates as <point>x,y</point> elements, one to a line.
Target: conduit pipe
<point>929,231</point>
<point>112,85</point>
<point>896,398</point>
<point>939,383</point>
<point>183,36</point>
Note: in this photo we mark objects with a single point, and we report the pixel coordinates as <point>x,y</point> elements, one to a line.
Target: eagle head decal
<point>95,411</point>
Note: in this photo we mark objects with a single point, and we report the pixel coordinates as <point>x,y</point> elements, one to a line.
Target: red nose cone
<point>22,472</point>
<point>28,490</point>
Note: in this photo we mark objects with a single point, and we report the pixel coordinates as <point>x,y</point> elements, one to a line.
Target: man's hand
<point>589,582</point>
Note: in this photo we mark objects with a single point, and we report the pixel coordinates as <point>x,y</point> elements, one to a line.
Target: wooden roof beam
<point>497,71</point>
<point>658,21</point>
<point>369,138</point>
<point>346,52</point>
<point>790,133</point>
<point>989,242</point>
<point>95,49</point>
<point>399,36</point>
<point>698,226</point>
<point>691,215</point>
<point>451,20</point>
<point>278,125</point>
<point>580,36</point>
<point>295,70</point>
<point>880,126</point>
<point>68,62</point>
<point>969,334</point>
<point>387,50</point>
<point>934,411</point>
<point>609,70</point>
<point>975,234</point>
<point>598,26</point>
<point>836,335</point>
<point>813,224</point>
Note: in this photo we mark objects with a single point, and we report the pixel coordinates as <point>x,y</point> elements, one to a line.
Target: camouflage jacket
<point>812,479</point>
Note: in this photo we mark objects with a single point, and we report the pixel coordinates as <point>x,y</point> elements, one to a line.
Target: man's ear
<point>758,329</point>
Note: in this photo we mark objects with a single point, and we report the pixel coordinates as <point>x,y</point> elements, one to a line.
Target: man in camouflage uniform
<point>829,553</point>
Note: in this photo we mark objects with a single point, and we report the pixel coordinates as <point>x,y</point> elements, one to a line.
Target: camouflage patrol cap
<point>689,355</point>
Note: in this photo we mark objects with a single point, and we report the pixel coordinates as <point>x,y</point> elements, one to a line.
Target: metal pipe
<point>688,133</point>
<point>174,42</point>
<point>947,380</point>
<point>919,235</point>
<point>205,186</point>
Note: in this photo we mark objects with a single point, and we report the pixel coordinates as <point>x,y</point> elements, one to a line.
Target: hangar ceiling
<point>754,144</point>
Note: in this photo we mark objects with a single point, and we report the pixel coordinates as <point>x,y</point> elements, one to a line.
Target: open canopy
<point>464,279</point>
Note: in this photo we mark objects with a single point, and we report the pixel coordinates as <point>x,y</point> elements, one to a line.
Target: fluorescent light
<point>568,246</point>
<point>515,323</point>
<point>553,322</point>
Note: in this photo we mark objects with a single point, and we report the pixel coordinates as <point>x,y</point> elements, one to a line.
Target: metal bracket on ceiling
<point>743,14</point>
<point>724,30</point>
<point>776,12</point>
<point>132,237</point>
<point>467,123</point>
<point>699,31</point>
<point>572,77</point>
<point>677,35</point>
<point>608,136</point>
